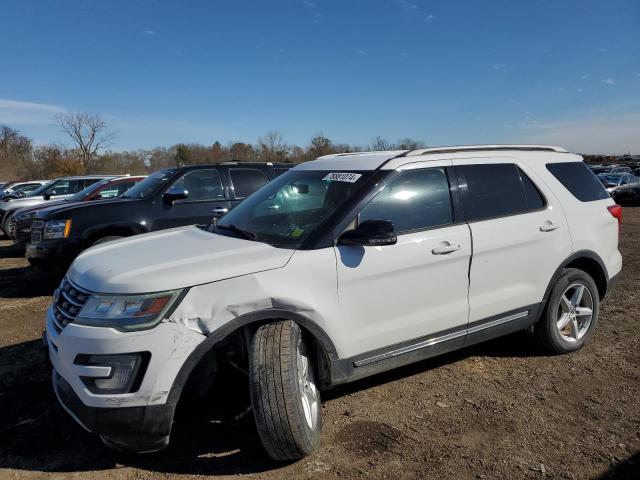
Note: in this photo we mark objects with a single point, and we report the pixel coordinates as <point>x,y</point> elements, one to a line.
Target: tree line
<point>90,139</point>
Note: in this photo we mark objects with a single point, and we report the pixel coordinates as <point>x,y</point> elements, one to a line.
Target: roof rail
<point>487,148</point>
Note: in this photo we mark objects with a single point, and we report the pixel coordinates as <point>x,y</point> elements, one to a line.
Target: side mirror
<point>370,233</point>
<point>174,194</point>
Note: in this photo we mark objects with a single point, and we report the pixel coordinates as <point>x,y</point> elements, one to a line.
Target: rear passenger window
<point>535,200</point>
<point>415,200</point>
<point>579,180</point>
<point>497,190</point>
<point>246,181</point>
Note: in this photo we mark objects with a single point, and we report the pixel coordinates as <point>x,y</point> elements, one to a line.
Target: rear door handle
<point>445,249</point>
<point>549,227</point>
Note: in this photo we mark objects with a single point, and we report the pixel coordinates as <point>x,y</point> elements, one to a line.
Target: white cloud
<point>584,77</point>
<point>609,81</point>
<point>500,67</point>
<point>14,112</point>
<point>430,18</point>
<point>599,132</point>
<point>308,3</point>
<point>602,50</point>
<point>149,32</point>
<point>361,52</point>
<point>580,90</point>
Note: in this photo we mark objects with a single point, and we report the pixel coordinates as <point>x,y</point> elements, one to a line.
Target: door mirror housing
<point>174,194</point>
<point>372,233</point>
<point>47,195</point>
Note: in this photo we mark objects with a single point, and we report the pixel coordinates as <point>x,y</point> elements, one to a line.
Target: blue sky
<point>447,72</point>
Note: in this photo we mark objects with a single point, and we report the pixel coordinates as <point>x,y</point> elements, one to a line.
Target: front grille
<point>36,231</point>
<point>68,300</point>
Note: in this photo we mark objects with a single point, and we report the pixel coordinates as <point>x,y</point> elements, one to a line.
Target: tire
<point>106,239</point>
<point>5,224</point>
<point>566,324</point>
<point>276,363</point>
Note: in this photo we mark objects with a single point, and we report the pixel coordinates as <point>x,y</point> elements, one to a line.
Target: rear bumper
<point>134,429</point>
<point>611,284</point>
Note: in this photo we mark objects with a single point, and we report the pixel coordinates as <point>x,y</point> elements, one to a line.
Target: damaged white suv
<point>343,267</point>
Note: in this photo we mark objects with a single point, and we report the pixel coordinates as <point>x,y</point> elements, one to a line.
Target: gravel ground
<point>503,409</point>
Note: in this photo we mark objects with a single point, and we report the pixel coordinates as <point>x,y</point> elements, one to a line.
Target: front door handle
<point>549,226</point>
<point>446,248</point>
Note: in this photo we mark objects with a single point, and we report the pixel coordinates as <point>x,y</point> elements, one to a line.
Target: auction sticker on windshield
<point>342,177</point>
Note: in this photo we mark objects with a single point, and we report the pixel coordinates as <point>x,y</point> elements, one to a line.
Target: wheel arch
<point>125,230</point>
<point>255,319</point>
<point>588,261</point>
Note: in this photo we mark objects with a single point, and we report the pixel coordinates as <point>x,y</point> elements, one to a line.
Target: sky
<point>563,72</point>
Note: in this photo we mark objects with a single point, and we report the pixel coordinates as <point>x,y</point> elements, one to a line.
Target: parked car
<point>21,189</point>
<point>168,198</point>
<point>20,224</point>
<point>623,187</point>
<point>598,169</point>
<point>59,188</point>
<point>619,170</point>
<point>341,268</point>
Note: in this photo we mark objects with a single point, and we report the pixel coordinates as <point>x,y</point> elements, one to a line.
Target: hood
<point>171,259</point>
<point>58,209</point>
<point>42,206</point>
<point>21,202</point>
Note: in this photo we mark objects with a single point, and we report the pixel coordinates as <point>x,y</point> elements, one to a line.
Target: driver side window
<point>202,185</point>
<point>414,200</point>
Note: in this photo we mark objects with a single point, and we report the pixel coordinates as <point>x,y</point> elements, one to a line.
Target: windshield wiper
<point>245,233</point>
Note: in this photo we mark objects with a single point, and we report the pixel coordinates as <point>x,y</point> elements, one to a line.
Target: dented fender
<point>217,309</point>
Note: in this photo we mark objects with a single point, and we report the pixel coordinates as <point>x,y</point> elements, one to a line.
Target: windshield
<point>286,211</point>
<point>149,185</point>
<point>41,190</point>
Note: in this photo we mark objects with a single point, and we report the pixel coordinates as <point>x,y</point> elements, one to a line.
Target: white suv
<point>343,267</point>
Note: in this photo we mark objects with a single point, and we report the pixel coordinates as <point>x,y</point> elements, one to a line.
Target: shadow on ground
<point>37,435</point>
<point>22,281</point>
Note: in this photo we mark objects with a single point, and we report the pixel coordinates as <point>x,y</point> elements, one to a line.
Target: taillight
<point>616,212</point>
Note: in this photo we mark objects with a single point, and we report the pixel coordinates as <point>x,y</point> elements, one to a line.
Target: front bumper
<point>134,429</point>
<point>58,253</point>
<point>139,421</point>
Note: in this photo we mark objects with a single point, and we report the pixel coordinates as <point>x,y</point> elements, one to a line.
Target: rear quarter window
<point>579,180</point>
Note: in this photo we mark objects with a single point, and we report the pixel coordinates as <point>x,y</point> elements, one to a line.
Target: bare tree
<point>272,147</point>
<point>379,143</point>
<point>88,132</point>
<point>411,144</point>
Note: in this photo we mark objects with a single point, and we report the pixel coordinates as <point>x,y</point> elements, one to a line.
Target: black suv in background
<point>168,198</point>
<point>20,224</point>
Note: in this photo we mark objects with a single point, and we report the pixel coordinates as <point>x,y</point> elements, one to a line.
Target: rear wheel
<point>571,314</point>
<point>284,392</point>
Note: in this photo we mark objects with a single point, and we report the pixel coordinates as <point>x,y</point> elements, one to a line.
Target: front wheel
<point>284,393</point>
<point>571,314</point>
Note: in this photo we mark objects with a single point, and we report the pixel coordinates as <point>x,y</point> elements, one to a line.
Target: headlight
<point>56,229</point>
<point>124,312</point>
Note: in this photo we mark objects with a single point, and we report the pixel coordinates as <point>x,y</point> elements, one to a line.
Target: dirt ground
<point>503,409</point>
